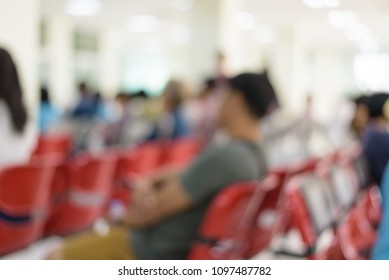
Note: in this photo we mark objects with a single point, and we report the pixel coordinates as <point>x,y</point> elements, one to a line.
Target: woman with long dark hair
<point>17,137</point>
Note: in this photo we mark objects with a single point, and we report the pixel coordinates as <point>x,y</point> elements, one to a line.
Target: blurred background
<point>102,76</point>
<point>325,49</point>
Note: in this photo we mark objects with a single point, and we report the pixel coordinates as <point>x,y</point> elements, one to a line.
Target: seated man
<point>375,138</point>
<point>166,212</point>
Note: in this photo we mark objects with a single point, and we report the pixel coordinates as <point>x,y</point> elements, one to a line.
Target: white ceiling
<point>115,12</point>
<point>374,13</point>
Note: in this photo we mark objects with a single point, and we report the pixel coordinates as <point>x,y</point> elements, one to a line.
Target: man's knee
<point>56,254</point>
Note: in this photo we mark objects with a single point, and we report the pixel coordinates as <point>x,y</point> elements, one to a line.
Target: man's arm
<point>212,171</point>
<point>151,205</point>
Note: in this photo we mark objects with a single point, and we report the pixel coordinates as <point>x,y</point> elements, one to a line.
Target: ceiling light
<point>142,24</point>
<point>332,3</point>
<point>184,5</point>
<point>314,4</point>
<point>82,7</point>
<point>318,4</point>
<point>246,21</point>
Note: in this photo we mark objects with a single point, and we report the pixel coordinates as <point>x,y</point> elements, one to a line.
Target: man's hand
<point>151,205</point>
<point>144,197</point>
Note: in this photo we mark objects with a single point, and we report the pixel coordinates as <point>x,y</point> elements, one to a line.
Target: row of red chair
<point>58,195</point>
<point>148,158</point>
<point>311,197</point>
<point>60,144</point>
<point>334,199</point>
<point>243,219</point>
<point>24,192</point>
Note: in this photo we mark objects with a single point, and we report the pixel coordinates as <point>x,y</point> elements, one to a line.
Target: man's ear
<point>386,110</point>
<point>239,100</point>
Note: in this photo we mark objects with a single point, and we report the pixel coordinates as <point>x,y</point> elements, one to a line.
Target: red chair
<point>354,158</point>
<point>355,208</point>
<point>267,215</point>
<point>181,152</point>
<point>352,242</point>
<point>224,233</point>
<point>270,217</point>
<point>141,161</point>
<point>315,207</point>
<point>369,200</point>
<point>83,198</point>
<point>370,204</point>
<point>53,144</point>
<point>310,209</point>
<point>283,174</point>
<point>24,192</point>
<point>305,166</point>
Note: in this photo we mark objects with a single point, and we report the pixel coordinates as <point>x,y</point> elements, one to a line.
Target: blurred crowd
<point>131,118</point>
<point>97,122</point>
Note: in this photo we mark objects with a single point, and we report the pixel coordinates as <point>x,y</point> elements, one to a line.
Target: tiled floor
<point>37,251</point>
<point>40,250</point>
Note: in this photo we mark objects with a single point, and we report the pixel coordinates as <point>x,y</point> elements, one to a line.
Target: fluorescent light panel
<point>319,4</point>
<point>81,8</point>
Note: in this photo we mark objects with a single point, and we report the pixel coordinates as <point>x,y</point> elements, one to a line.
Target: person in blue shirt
<point>48,114</point>
<point>381,248</point>
<point>172,124</point>
<point>375,138</point>
<point>86,106</point>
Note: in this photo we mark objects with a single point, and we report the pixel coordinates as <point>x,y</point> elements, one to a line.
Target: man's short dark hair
<point>376,104</point>
<point>361,100</point>
<point>256,90</point>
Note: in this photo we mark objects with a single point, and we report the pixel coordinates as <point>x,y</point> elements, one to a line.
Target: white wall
<point>111,42</point>
<point>19,34</point>
<point>205,44</point>
<point>298,67</point>
<point>60,60</point>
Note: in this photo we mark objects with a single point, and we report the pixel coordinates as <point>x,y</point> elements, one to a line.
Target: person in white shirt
<point>17,133</point>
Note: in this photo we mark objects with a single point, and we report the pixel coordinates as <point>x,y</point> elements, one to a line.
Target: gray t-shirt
<point>216,168</point>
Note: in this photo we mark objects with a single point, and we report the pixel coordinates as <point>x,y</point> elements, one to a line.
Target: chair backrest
<point>82,191</point>
<point>360,167</point>
<point>141,160</point>
<point>181,151</point>
<point>308,165</point>
<point>343,186</point>
<point>53,144</point>
<point>272,198</point>
<point>311,206</point>
<point>25,190</point>
<point>224,231</point>
<point>24,203</point>
<point>284,174</point>
<point>354,157</point>
<point>92,178</point>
